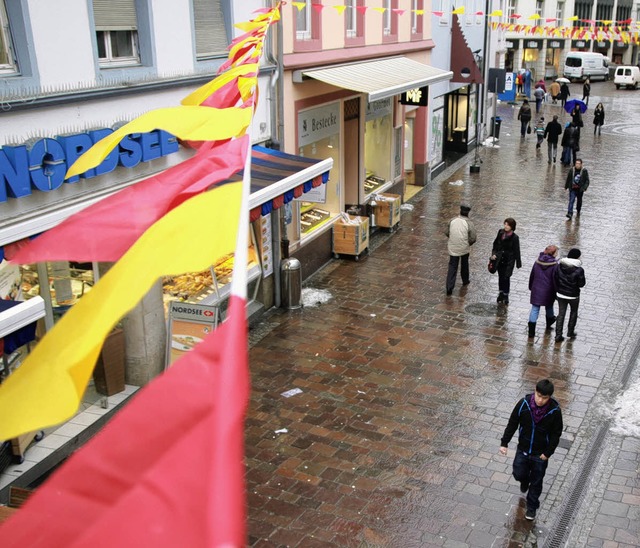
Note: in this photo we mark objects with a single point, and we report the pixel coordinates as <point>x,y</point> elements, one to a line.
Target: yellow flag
<point>496,13</point>
<point>192,123</point>
<point>573,18</point>
<point>299,5</point>
<point>379,10</point>
<point>534,17</point>
<point>214,85</point>
<point>340,9</point>
<point>458,11</point>
<point>47,388</point>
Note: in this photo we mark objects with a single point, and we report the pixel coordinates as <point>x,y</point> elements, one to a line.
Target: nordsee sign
<point>43,165</point>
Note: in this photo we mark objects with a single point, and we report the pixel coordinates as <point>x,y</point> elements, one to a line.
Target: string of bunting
<point>615,33</point>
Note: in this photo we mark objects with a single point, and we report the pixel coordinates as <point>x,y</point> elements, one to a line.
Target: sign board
<point>496,83</point>
<point>266,242</point>
<point>555,44</point>
<point>10,281</point>
<point>378,109</point>
<point>189,324</point>
<point>317,195</point>
<point>509,93</point>
<point>418,97</point>
<point>580,43</point>
<point>512,44</point>
<point>318,123</point>
<point>532,44</point>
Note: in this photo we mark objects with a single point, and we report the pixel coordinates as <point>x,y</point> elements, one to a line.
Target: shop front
<point>580,45</point>
<point>621,54</point>
<point>460,119</point>
<point>512,46</point>
<point>532,58</point>
<point>553,63</point>
<point>601,46</point>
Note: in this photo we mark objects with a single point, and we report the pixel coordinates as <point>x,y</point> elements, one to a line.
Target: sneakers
<point>524,487</point>
<point>530,515</point>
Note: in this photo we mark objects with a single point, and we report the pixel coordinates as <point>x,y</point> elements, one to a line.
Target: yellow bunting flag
<point>379,10</point>
<point>573,18</point>
<point>299,5</point>
<point>47,388</point>
<point>211,87</point>
<point>340,9</point>
<point>534,17</point>
<point>458,11</point>
<point>192,123</point>
<point>496,13</point>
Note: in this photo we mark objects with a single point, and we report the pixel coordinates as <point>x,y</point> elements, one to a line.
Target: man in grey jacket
<point>462,235</point>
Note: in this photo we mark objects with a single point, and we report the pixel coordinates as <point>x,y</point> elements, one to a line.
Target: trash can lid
<point>290,264</point>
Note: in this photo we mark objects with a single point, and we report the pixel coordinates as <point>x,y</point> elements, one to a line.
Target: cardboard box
<point>388,212</point>
<point>351,239</point>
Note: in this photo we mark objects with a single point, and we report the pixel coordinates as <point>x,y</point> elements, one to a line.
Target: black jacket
<point>584,179</point>
<point>569,277</point>
<point>553,131</point>
<point>534,439</point>
<point>524,113</point>
<point>598,116</point>
<point>509,251</point>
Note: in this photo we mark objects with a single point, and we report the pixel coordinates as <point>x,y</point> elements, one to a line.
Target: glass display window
<point>378,146</point>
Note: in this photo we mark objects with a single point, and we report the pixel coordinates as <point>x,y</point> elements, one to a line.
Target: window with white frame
<point>352,18</point>
<point>7,61</point>
<point>208,23</point>
<point>303,21</point>
<point>386,17</point>
<point>538,12</point>
<point>116,24</point>
<point>414,16</point>
<point>512,5</point>
<point>559,12</point>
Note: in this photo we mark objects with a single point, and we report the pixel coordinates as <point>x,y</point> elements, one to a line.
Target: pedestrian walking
<point>539,94</point>
<point>462,235</point>
<point>598,118</point>
<point>542,287</point>
<point>526,82</point>
<point>524,115</point>
<point>538,418</point>
<point>506,249</point>
<point>539,129</point>
<point>540,84</point>
<point>577,183</point>
<point>569,278</point>
<point>519,83</point>
<point>576,117</point>
<point>564,93</point>
<point>586,91</point>
<point>554,91</point>
<point>567,139</point>
<point>551,133</point>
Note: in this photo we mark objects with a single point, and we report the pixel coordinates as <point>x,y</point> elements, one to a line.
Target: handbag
<point>529,129</point>
<point>492,267</point>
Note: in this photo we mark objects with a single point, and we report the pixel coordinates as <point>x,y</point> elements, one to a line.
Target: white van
<point>580,65</point>
<point>627,76</point>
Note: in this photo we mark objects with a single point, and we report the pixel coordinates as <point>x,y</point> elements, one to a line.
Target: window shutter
<point>211,35</point>
<point>115,14</point>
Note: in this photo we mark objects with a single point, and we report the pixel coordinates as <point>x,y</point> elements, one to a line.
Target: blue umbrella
<point>570,105</point>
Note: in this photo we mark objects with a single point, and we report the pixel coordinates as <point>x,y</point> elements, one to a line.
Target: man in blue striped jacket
<point>539,419</point>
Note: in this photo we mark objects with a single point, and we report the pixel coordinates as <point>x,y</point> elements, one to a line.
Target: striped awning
<point>381,78</point>
<point>278,177</point>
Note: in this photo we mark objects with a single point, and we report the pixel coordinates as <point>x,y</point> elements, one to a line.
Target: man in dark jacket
<point>577,183</point>
<point>569,278</point>
<point>539,419</point>
<point>551,134</point>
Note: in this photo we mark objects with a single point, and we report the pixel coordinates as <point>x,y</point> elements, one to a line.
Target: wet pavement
<point>393,440</point>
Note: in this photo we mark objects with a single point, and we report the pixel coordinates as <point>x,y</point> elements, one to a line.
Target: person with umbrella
<point>564,93</point>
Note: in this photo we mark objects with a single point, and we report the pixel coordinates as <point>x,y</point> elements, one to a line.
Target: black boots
<point>503,298</point>
<point>532,329</point>
<point>550,322</point>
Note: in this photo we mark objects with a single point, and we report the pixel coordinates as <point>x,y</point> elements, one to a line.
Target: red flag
<point>173,458</point>
<point>105,230</point>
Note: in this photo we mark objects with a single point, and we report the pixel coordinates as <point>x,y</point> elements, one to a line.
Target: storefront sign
<point>512,44</point>
<point>415,97</point>
<point>555,44</point>
<point>533,44</point>
<point>265,245</point>
<point>602,44</point>
<point>580,43</point>
<point>378,109</point>
<point>318,123</point>
<point>189,324</point>
<point>10,279</point>
<point>42,166</point>
<point>620,45</point>
<point>317,195</point>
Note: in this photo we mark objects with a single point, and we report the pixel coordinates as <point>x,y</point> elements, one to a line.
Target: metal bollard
<point>291,279</point>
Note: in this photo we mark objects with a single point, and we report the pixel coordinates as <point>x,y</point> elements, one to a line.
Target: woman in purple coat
<point>542,287</point>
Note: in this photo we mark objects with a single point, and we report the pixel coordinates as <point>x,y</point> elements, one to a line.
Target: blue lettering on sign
<point>43,166</point>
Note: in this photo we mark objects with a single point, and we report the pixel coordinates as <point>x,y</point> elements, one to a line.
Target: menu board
<point>189,324</point>
<point>265,246</point>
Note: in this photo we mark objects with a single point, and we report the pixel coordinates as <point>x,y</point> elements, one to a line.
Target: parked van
<point>580,65</point>
<point>627,76</point>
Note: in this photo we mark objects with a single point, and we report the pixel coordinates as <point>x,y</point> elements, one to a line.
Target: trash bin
<point>498,123</point>
<point>291,281</point>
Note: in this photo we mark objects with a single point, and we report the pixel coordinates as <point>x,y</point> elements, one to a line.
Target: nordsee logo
<point>44,165</point>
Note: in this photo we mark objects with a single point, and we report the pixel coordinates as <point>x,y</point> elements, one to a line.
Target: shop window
<point>417,19</point>
<point>8,63</point>
<point>378,137</point>
<point>209,27</point>
<point>390,21</point>
<point>308,27</point>
<point>116,26</point>
<point>354,23</point>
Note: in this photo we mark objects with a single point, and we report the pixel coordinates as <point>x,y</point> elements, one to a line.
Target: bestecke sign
<point>43,165</point>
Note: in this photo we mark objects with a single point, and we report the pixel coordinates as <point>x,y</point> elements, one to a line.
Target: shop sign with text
<point>418,97</point>
<point>318,123</point>
<point>378,109</point>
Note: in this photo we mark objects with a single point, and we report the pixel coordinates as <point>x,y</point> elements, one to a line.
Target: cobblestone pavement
<point>394,439</point>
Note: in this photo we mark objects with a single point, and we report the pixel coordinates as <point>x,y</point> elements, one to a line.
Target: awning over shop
<point>278,177</point>
<point>381,78</point>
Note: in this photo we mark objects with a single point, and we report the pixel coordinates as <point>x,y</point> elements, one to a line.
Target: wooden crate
<point>351,239</point>
<point>388,212</point>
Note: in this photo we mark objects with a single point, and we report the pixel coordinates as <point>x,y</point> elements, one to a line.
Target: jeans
<point>535,312</point>
<point>538,105</point>
<point>562,311</point>
<point>530,469</point>
<point>453,270</point>
<point>523,127</point>
<point>553,150</point>
<point>575,196</point>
